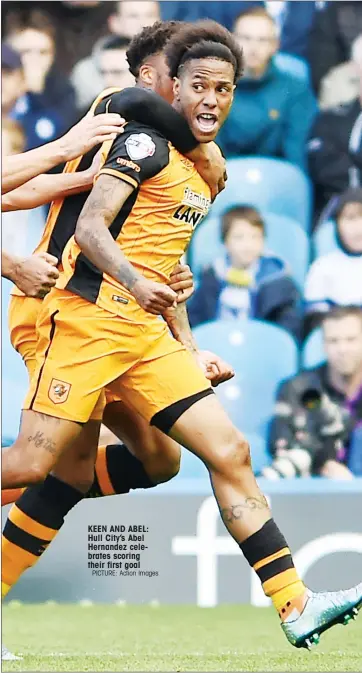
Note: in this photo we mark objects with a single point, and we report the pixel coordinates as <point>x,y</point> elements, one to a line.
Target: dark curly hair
<point>203,39</point>
<point>151,40</point>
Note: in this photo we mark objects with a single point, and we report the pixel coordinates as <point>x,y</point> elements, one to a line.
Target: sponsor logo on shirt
<point>128,164</point>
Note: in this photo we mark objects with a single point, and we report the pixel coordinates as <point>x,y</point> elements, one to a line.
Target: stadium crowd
<point>283,243</point>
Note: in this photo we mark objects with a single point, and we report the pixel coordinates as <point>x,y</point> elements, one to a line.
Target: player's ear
<point>146,74</point>
<point>176,88</point>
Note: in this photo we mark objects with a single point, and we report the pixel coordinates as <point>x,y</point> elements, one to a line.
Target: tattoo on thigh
<point>236,512</point>
<point>40,441</point>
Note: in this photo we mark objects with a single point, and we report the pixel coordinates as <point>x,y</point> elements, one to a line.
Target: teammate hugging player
<point>100,327</point>
<point>40,511</point>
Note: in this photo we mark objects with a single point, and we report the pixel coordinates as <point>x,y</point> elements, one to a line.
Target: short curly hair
<point>151,40</point>
<point>203,39</point>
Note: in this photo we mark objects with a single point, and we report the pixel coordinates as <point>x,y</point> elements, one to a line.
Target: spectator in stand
<point>273,110</point>
<point>341,84</point>
<point>110,64</point>
<point>294,18</point>
<point>48,108</point>
<point>318,413</point>
<point>335,151</point>
<point>78,25</point>
<point>336,26</point>
<point>128,19</point>
<point>246,281</point>
<point>12,80</point>
<point>335,279</point>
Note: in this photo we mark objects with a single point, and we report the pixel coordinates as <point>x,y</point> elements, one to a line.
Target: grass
<point>167,638</point>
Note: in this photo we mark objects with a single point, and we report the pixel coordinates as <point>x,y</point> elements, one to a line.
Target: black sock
<point>117,471</point>
<point>33,522</point>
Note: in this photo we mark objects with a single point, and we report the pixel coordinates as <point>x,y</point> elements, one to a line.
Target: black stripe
<point>275,568</point>
<point>265,542</point>
<point>49,502</point>
<point>24,540</point>
<point>87,278</point>
<point>125,471</point>
<point>51,336</point>
<point>165,419</point>
<point>69,212</point>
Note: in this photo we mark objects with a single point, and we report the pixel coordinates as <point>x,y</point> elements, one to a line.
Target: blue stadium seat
<point>324,239</point>
<point>272,185</point>
<point>313,351</point>
<point>14,376</point>
<point>284,237</point>
<point>261,355</point>
<point>293,65</point>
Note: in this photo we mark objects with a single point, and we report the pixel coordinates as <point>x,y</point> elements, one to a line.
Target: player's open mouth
<point>206,122</point>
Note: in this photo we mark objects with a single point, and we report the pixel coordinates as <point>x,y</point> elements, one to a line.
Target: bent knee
<point>35,474</point>
<point>232,456</point>
<point>168,469</point>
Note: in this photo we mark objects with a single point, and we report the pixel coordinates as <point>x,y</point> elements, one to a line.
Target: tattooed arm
<point>95,240</point>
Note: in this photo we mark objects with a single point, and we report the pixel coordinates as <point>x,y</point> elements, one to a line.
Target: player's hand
<point>214,368</point>
<point>90,173</point>
<point>36,275</point>
<point>211,165</point>
<point>182,282</point>
<point>92,130</point>
<point>153,297</point>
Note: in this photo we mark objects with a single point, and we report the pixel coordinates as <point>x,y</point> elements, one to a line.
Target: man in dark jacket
<point>336,25</point>
<point>246,282</point>
<point>335,154</point>
<point>273,110</point>
<point>316,428</point>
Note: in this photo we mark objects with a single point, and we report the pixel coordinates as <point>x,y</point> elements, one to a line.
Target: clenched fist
<point>36,275</point>
<point>215,369</point>
<point>182,282</point>
<point>153,297</point>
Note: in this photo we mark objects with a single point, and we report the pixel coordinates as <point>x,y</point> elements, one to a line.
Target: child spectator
<point>273,110</point>
<point>246,281</point>
<point>335,279</point>
<point>48,108</point>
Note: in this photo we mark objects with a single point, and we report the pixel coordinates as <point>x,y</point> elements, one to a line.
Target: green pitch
<point>177,638</point>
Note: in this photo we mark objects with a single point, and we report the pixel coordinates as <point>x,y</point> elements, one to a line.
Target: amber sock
<point>33,522</point>
<point>117,471</point>
<point>268,553</point>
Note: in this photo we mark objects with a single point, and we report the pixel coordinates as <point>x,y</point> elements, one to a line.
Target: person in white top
<point>335,279</point>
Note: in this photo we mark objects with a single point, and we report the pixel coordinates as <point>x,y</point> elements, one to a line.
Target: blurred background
<point>277,263</point>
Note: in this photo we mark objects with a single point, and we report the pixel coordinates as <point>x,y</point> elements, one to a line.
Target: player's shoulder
<point>142,141</point>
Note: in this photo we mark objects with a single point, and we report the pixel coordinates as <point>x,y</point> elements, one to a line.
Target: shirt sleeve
<point>136,155</point>
<point>147,107</point>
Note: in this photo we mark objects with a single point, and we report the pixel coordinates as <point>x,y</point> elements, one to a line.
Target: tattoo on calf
<point>40,441</point>
<point>236,512</point>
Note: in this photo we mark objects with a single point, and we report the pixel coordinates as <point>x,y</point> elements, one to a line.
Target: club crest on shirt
<point>139,146</point>
<point>58,391</point>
